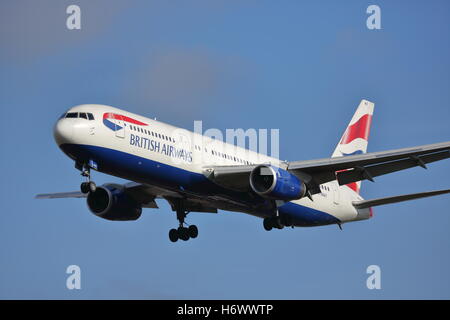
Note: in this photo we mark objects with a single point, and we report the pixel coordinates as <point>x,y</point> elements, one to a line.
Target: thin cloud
<point>184,81</point>
<point>32,29</point>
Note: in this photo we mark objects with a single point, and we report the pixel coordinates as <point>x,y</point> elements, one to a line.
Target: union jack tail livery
<point>356,136</point>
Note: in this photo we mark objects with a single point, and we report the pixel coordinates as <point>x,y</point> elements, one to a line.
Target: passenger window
<point>72,115</point>
<point>83,115</point>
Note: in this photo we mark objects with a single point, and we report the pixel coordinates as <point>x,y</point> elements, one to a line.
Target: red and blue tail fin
<point>356,137</point>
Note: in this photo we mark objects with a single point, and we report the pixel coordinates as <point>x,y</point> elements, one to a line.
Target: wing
<point>138,192</point>
<point>74,194</point>
<point>380,201</point>
<point>146,195</point>
<point>367,166</point>
<point>231,177</point>
<point>345,169</point>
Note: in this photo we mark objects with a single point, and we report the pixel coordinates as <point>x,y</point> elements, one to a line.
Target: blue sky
<point>298,66</point>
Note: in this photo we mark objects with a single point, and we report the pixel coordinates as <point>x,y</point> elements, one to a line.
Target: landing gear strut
<point>88,186</point>
<point>182,232</point>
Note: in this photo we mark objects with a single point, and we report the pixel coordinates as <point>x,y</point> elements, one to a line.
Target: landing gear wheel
<point>183,233</point>
<point>193,231</point>
<point>173,235</point>
<point>92,186</point>
<point>277,223</point>
<point>84,187</point>
<point>267,224</point>
<point>88,186</point>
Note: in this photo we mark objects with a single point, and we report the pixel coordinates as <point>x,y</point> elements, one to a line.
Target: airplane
<point>196,173</point>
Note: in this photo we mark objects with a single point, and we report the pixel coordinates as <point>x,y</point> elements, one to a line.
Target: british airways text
<point>157,146</point>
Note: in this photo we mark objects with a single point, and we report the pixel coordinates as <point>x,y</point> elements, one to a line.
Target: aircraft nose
<point>62,131</point>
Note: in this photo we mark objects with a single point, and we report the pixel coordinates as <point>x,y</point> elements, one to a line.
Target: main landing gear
<point>88,186</point>
<point>273,222</point>
<point>277,221</point>
<point>182,232</point>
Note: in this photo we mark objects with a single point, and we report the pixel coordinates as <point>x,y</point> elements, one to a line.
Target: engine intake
<point>110,202</point>
<point>276,183</point>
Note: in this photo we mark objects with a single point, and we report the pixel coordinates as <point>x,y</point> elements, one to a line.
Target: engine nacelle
<point>275,183</point>
<point>110,202</point>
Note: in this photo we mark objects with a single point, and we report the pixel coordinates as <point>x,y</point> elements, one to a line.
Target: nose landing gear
<point>88,186</point>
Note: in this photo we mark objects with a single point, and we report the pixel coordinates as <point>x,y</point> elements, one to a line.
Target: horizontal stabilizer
<point>380,201</point>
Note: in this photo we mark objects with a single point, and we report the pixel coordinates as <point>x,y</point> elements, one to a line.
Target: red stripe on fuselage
<point>360,129</point>
<point>111,115</point>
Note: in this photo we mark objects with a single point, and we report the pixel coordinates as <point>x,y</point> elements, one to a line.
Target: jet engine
<point>111,202</point>
<point>275,183</point>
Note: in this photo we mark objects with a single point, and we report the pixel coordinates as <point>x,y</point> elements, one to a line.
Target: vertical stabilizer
<point>356,136</point>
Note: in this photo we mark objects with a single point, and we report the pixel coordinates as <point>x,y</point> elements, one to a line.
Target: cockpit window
<point>72,115</point>
<point>62,116</point>
<point>83,115</point>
